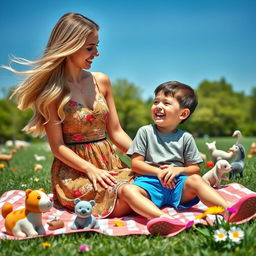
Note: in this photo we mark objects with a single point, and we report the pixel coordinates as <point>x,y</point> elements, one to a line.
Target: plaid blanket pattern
<point>129,225</point>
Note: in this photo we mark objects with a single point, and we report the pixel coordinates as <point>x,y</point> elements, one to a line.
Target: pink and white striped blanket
<point>129,225</point>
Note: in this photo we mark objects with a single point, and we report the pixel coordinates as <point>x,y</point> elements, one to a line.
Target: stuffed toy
<point>84,218</point>
<point>238,164</point>
<point>27,221</point>
<point>218,154</point>
<point>214,176</point>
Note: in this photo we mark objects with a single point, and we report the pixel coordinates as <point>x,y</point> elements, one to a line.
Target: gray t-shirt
<point>177,149</point>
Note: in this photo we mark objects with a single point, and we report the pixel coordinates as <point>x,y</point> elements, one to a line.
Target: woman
<point>76,110</point>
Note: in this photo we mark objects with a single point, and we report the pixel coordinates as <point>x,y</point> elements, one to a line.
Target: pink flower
<point>231,210</point>
<point>189,224</point>
<point>84,248</point>
<point>78,137</point>
<point>90,118</point>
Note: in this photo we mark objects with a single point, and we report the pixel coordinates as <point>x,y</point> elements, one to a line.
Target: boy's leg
<point>133,198</point>
<point>245,208</point>
<point>196,186</point>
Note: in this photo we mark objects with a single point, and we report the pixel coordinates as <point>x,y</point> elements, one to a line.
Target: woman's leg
<point>196,186</point>
<point>133,198</point>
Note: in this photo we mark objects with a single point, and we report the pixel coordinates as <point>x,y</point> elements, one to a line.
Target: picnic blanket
<point>129,225</point>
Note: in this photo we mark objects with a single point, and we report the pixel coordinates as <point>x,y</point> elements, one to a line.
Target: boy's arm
<point>169,173</point>
<point>143,168</point>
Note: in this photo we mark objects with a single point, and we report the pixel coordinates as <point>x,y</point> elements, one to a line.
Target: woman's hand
<point>101,176</point>
<point>167,175</point>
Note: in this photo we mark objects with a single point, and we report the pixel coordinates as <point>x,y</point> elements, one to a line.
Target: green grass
<point>21,175</point>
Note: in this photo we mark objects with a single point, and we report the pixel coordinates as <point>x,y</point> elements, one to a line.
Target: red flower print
<point>104,159</point>
<point>90,118</point>
<point>88,146</point>
<point>72,103</point>
<point>106,117</point>
<point>78,137</point>
<point>76,193</point>
<point>105,213</point>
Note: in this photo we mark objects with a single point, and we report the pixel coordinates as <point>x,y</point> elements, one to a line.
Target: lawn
<point>21,175</point>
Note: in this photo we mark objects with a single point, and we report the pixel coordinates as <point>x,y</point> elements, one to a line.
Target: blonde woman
<point>76,110</point>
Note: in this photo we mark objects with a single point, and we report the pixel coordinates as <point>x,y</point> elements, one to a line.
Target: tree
<point>131,109</point>
<point>220,110</point>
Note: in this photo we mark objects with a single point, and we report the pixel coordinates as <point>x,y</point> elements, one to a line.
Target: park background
<point>210,45</point>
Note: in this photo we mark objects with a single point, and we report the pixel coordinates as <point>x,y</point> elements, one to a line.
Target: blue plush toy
<point>84,218</point>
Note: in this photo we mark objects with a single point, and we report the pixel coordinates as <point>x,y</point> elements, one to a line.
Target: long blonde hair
<point>45,82</point>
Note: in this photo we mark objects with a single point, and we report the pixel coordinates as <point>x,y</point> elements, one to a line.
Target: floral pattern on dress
<point>84,125</point>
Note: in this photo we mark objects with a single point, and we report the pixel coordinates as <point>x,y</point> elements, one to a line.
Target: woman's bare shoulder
<point>103,81</point>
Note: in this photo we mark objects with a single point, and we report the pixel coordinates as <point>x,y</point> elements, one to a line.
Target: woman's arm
<point>69,157</point>
<point>115,132</point>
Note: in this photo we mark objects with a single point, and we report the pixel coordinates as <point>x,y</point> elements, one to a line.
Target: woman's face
<point>83,58</point>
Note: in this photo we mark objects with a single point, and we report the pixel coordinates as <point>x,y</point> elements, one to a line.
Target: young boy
<point>166,161</point>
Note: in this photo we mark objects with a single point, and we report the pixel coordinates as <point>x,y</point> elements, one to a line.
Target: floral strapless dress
<point>84,132</point>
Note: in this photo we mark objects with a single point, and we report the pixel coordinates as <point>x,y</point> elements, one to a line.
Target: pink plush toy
<point>214,176</point>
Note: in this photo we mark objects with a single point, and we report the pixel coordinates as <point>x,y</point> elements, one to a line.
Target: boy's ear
<point>185,113</point>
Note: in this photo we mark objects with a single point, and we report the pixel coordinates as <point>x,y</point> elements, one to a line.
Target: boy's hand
<point>167,176</point>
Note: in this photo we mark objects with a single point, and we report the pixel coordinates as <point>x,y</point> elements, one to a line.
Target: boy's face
<point>167,113</point>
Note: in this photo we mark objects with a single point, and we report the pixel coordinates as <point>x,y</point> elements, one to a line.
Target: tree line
<point>220,111</point>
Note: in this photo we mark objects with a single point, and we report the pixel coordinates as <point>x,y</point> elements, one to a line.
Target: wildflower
<point>84,248</point>
<point>231,210</point>
<point>214,210</point>
<point>119,223</point>
<point>38,167</point>
<point>249,155</point>
<point>46,245</point>
<point>220,235</point>
<point>235,234</point>
<point>209,164</point>
<point>36,179</point>
<point>189,224</point>
<point>201,216</point>
<point>1,166</point>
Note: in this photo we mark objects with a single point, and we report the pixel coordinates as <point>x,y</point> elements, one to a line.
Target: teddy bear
<point>27,221</point>
<point>84,218</point>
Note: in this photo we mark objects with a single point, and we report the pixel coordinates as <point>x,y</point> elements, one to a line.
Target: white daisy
<point>235,234</point>
<point>220,235</point>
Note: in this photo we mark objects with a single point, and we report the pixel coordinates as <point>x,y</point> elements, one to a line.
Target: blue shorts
<point>163,197</point>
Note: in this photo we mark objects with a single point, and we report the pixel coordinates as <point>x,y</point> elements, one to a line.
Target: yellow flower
<point>36,179</point>
<point>201,216</point>
<point>46,245</point>
<point>214,210</point>
<point>118,223</point>
<point>1,166</point>
<point>38,167</point>
<point>249,155</point>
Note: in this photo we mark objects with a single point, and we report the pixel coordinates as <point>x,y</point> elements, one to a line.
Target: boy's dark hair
<point>184,94</point>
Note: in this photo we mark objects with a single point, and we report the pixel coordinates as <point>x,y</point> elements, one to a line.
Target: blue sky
<point>146,42</point>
